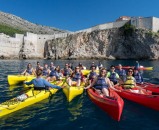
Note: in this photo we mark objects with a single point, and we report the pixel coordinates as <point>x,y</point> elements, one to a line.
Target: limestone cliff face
<point>106,44</point>
<point>17,22</point>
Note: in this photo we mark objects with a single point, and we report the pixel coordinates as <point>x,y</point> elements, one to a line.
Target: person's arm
<point>110,85</point>
<point>46,83</point>
<point>71,71</point>
<point>23,72</point>
<point>92,84</point>
<point>33,71</point>
<point>29,83</point>
<point>48,71</point>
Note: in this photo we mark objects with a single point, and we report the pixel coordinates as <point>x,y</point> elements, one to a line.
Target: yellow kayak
<point>17,79</point>
<point>147,68</point>
<point>140,68</point>
<point>33,96</point>
<point>72,91</point>
<point>86,72</point>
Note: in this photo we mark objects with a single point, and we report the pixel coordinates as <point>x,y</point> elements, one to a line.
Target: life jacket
<point>92,75</point>
<point>138,77</point>
<point>52,68</point>
<point>29,71</point>
<point>76,76</point>
<point>129,83</point>
<point>66,72</point>
<point>37,68</point>
<point>113,77</point>
<point>54,73</point>
<point>101,83</point>
<point>122,74</point>
<point>45,71</point>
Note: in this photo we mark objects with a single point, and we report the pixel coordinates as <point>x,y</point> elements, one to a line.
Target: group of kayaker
<point>74,76</point>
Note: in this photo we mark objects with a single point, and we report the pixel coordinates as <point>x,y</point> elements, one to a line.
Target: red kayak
<point>112,105</point>
<point>149,86</point>
<point>140,68</point>
<point>146,99</point>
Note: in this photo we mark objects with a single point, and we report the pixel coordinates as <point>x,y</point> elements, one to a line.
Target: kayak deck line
<point>34,96</point>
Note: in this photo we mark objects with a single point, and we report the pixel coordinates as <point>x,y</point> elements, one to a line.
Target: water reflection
<point>14,87</point>
<point>75,107</point>
<point>40,111</point>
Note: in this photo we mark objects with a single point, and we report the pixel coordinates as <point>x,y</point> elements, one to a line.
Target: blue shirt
<point>40,82</point>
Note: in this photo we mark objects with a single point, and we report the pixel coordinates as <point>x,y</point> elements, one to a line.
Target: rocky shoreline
<point>122,41</point>
<point>100,44</point>
<point>105,44</point>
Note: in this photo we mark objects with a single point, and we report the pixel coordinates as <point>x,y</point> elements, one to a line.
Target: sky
<point>75,15</point>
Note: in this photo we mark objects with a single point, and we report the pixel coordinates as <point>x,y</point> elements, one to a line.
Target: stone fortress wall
<point>32,45</point>
<point>155,24</point>
<point>149,23</point>
<point>25,44</point>
<point>111,25</point>
<point>10,46</point>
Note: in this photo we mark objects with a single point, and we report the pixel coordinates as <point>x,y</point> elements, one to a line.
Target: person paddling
<point>75,78</point>
<point>45,70</point>
<point>66,70</point>
<point>130,83</point>
<point>113,76</point>
<point>40,83</point>
<point>92,75</point>
<point>38,66</point>
<point>102,83</point>
<point>52,67</point>
<point>138,76</point>
<point>29,70</point>
<point>121,72</point>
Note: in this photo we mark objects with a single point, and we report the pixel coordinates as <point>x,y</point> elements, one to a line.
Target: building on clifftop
<point>150,23</point>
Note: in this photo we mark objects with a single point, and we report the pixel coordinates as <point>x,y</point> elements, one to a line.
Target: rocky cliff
<point>106,44</point>
<point>124,42</point>
<point>19,23</point>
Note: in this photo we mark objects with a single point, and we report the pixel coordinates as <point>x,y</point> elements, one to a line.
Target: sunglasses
<point>130,71</point>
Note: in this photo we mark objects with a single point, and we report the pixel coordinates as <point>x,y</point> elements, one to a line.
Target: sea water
<point>55,113</point>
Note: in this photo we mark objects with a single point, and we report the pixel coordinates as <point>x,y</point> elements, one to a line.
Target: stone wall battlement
<point>34,45</point>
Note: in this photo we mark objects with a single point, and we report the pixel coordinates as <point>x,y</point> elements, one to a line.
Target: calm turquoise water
<point>81,113</point>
